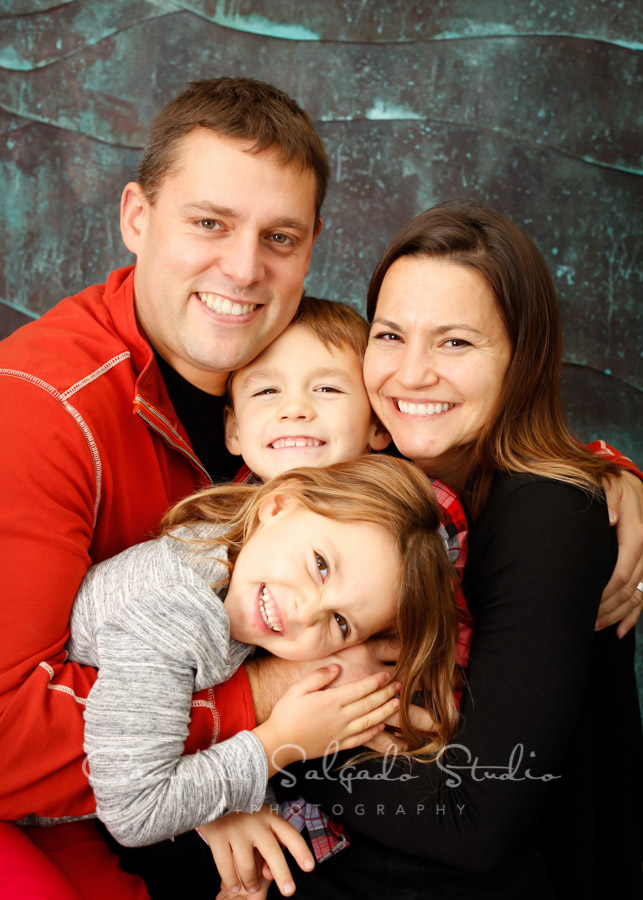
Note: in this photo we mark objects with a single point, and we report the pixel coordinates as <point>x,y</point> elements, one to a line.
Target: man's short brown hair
<point>240,108</point>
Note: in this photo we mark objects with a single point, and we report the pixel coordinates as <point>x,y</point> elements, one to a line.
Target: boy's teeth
<point>295,442</point>
<point>266,608</point>
<point>423,409</point>
<point>225,307</point>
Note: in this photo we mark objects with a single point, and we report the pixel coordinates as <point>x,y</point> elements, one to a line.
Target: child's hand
<point>308,719</point>
<point>260,894</point>
<point>244,843</point>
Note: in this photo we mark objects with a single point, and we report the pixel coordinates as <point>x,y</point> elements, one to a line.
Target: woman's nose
<point>416,369</point>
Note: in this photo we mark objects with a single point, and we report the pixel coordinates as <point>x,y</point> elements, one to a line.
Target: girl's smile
<point>306,585</point>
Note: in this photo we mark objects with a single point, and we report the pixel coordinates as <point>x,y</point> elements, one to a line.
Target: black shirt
<point>201,415</point>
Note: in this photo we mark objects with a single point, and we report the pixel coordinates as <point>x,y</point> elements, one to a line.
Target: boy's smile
<point>300,403</point>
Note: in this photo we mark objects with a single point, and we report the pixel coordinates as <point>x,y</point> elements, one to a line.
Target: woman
<point>538,796</point>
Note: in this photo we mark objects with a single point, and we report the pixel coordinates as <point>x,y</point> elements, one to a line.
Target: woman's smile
<point>436,361</point>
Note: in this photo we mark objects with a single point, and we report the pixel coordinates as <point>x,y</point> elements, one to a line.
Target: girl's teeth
<point>266,608</point>
<point>225,307</point>
<point>423,409</point>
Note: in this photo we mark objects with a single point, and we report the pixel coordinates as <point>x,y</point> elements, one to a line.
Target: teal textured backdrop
<point>533,107</point>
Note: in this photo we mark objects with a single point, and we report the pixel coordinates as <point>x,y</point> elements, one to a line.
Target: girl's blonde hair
<point>396,496</point>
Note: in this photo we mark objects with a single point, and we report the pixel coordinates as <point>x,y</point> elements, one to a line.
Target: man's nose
<point>241,258</point>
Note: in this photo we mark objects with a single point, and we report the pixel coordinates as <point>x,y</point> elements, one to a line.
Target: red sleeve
<point>46,527</point>
<point>220,712</point>
<point>600,448</point>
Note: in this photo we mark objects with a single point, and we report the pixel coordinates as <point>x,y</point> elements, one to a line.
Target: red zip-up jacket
<point>92,455</point>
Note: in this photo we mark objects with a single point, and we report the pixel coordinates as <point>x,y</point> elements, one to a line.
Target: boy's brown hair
<point>240,108</point>
<point>334,323</point>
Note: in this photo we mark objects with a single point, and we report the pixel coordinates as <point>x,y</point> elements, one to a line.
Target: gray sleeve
<point>137,718</point>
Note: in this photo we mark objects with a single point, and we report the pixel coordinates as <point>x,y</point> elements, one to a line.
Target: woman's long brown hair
<point>526,431</point>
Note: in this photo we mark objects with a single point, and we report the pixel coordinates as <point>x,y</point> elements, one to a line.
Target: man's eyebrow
<point>212,210</point>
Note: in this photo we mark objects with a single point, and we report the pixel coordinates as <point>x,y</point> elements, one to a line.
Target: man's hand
<point>621,601</point>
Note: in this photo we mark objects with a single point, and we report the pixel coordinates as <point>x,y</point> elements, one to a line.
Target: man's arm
<point>48,485</point>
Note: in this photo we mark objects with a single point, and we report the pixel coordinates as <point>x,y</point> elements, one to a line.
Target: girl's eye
<point>322,565</point>
<point>264,391</point>
<point>343,624</point>
<point>328,389</point>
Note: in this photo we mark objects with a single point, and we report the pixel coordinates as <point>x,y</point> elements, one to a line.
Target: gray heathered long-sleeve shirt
<point>152,625</point>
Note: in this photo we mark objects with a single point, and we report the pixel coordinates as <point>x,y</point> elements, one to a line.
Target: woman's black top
<point>540,792</point>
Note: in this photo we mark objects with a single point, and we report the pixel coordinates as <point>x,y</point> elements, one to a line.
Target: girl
<point>308,563</point>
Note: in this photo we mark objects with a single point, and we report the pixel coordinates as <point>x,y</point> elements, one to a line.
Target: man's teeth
<point>423,409</point>
<point>267,610</point>
<point>224,306</point>
<point>295,442</point>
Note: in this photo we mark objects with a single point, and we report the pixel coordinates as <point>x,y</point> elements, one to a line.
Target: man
<point>112,402</point>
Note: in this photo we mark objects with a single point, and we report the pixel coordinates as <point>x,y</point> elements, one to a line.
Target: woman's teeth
<point>224,306</point>
<point>423,409</point>
<point>268,611</point>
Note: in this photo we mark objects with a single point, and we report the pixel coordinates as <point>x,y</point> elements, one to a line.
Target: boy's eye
<point>322,565</point>
<point>265,391</point>
<point>343,624</point>
<point>328,389</point>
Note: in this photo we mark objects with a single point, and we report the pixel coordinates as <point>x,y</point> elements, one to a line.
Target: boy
<point>302,401</point>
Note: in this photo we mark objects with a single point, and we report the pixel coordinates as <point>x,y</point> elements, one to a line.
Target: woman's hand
<point>621,601</point>
<point>308,719</point>
<point>243,844</point>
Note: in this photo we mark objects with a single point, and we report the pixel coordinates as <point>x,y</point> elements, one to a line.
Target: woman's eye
<point>322,565</point>
<point>343,624</point>
<point>456,343</point>
<point>386,336</point>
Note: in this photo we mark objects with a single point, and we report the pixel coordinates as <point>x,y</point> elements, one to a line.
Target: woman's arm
<point>539,559</point>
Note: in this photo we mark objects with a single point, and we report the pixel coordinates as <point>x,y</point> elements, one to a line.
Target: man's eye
<point>343,624</point>
<point>209,224</point>
<point>322,565</point>
<point>281,239</point>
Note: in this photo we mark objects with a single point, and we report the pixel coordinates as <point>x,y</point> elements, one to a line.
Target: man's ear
<point>231,428</point>
<point>379,438</point>
<point>276,503</point>
<point>134,215</point>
